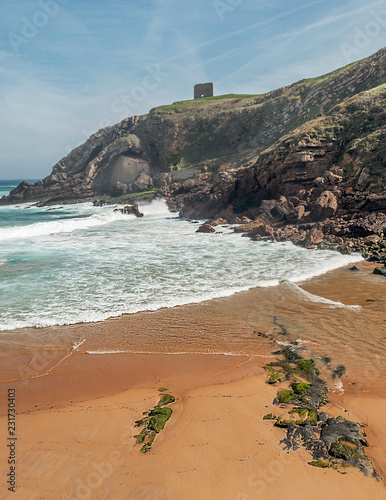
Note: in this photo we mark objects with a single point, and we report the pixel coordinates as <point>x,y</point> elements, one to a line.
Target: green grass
<point>182,105</point>
<point>132,196</point>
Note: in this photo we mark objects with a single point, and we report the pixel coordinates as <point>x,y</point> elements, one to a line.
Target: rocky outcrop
<point>308,187</point>
<point>333,442</point>
<point>205,228</point>
<point>130,210</point>
<point>143,183</point>
<point>256,227</point>
<point>85,172</point>
<point>205,129</point>
<point>222,137</point>
<point>325,206</point>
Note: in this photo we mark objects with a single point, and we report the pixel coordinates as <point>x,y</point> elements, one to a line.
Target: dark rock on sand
<point>380,270</point>
<point>333,442</point>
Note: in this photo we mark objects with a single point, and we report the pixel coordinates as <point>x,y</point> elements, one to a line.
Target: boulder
<point>205,228</point>
<point>161,180</point>
<point>256,227</point>
<point>281,210</point>
<point>142,183</point>
<point>314,236</point>
<point>219,222</point>
<point>119,189</point>
<point>296,214</point>
<point>380,270</point>
<point>188,185</point>
<point>130,210</point>
<point>268,205</point>
<point>324,207</point>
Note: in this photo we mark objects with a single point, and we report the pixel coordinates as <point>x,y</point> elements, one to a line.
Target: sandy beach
<point>76,409</point>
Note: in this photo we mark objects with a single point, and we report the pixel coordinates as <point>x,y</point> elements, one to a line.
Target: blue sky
<point>70,67</point>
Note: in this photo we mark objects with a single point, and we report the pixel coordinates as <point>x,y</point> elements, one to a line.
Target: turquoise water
<point>79,263</point>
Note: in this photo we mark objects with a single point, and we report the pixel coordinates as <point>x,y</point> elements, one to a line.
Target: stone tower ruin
<point>203,90</point>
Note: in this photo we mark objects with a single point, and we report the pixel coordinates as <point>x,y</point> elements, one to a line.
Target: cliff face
<point>233,142</point>
<point>85,171</point>
<point>188,132</point>
<point>343,152</point>
<point>324,183</point>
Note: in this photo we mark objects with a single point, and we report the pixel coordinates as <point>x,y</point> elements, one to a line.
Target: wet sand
<point>76,410</point>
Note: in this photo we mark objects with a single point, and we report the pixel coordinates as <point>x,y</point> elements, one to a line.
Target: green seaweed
<point>277,377</point>
<point>339,371</point>
<point>300,388</point>
<point>319,463</point>
<point>274,375</point>
<point>298,416</point>
<point>285,396</point>
<point>166,399</point>
<point>158,418</point>
<point>301,412</point>
<point>307,368</point>
<point>153,422</point>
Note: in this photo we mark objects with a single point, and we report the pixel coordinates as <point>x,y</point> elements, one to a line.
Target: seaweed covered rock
<point>300,388</point>
<point>153,422</point>
<point>297,416</point>
<point>274,376</point>
<point>165,399</point>
<point>285,396</point>
<point>333,442</point>
<point>380,270</point>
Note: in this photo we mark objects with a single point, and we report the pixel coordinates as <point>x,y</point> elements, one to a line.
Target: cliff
<point>212,137</point>
<point>324,183</point>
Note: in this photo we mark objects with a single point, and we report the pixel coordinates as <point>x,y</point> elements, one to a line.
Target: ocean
<point>72,264</point>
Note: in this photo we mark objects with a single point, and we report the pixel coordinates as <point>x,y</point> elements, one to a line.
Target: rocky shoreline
<point>333,442</point>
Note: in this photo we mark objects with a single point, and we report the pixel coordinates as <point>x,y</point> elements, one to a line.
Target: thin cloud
<point>332,20</point>
<point>242,31</point>
<point>291,36</point>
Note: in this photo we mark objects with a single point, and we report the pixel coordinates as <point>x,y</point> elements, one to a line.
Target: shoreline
<point>53,319</point>
<point>75,410</point>
<point>192,302</point>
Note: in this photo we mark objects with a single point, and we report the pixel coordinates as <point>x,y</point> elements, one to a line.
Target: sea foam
<point>81,263</point>
<point>58,226</point>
